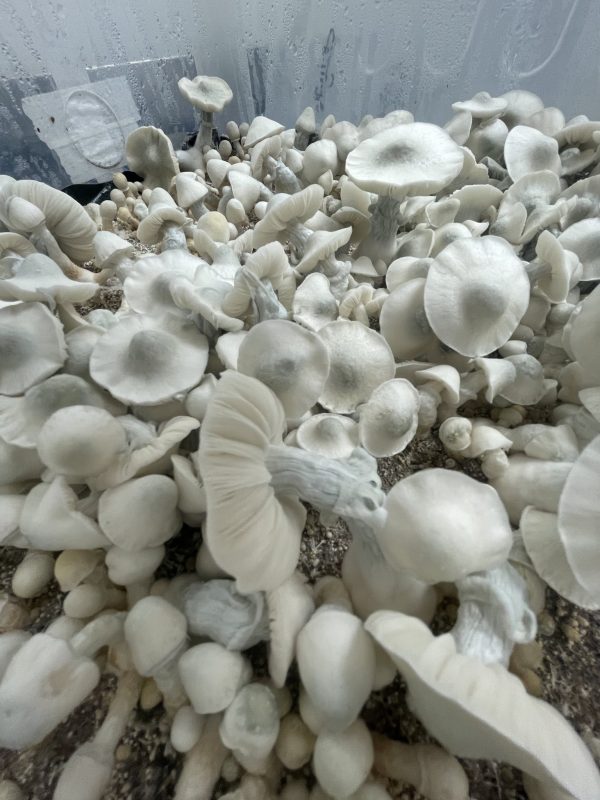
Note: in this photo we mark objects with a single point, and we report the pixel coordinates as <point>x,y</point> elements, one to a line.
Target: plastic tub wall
<point>348,58</point>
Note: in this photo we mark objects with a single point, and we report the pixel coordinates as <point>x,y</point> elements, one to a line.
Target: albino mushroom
<point>314,304</point>
<point>342,760</point>
<point>527,150</point>
<point>388,421</point>
<point>332,435</point>
<point>290,606</point>
<point>212,676</point>
<point>164,222</point>
<point>403,322</point>
<point>150,154</point>
<point>250,725</point>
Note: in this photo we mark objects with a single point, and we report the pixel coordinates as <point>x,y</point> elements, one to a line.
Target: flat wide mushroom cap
<point>32,346</point>
<point>67,221</point>
<point>444,541</point>
<point>206,92</point>
<point>416,158</point>
<point>314,304</point>
<point>528,150</point>
<point>150,154</point>
<point>251,533</point>
<point>292,361</point>
<point>388,421</point>
<point>579,518</point>
<point>478,710</point>
<point>145,361</point>
<point>37,277</point>
<point>482,105</point>
<point>476,293</point>
<point>360,360</point>
<point>331,435</point>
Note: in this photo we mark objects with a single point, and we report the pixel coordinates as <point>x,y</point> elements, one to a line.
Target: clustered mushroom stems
<point>493,615</point>
<point>349,488</point>
<point>384,223</point>
<point>265,303</point>
<point>173,237</point>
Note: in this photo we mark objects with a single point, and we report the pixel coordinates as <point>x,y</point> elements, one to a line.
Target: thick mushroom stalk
<point>493,615</point>
<point>202,765</point>
<point>284,180</point>
<point>87,772</point>
<point>265,303</point>
<point>380,243</point>
<point>351,488</point>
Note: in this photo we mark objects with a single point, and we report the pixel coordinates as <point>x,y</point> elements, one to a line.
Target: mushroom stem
<point>283,178</point>
<point>338,273</point>
<point>98,633</point>
<point>173,237</point>
<point>202,765</point>
<point>198,209</point>
<point>205,133</point>
<point>263,296</point>
<point>431,770</point>
<point>168,681</point>
<point>88,770</point>
<point>493,615</point>
<point>350,488</point>
<point>45,243</point>
<point>536,270</point>
<point>380,244</point>
<point>298,236</point>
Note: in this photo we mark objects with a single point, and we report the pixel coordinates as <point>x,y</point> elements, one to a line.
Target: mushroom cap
<point>109,249</point>
<point>527,387</point>
<point>43,682</point>
<point>476,293</point>
<point>15,243</point>
<point>150,154</point>
<point>189,190</point>
<point>528,150</point>
<point>321,245</point>
<point>579,516</point>
<point>482,106</point>
<point>331,435</point>
<point>140,513</point>
<point>147,286</point>
<point>251,533</point>
<point>314,304</point>
<point>156,633</point>
<point>206,92</point>
<point>161,210</point>
<point>442,541</point>
<point>37,277</point>
<point>66,220</point>
<point>32,346</point>
<point>79,441</point>
<point>478,710</point>
<point>583,239</point>
<point>360,360</point>
<point>336,661</point>
<point>583,335</point>
<point>285,208</point>
<point>250,725</point>
<point>388,421</point>
<point>290,607</point>
<point>261,128</point>
<point>292,361</point>
<point>144,361</point>
<point>403,322</point>
<point>521,104</point>
<point>212,676</point>
<point>416,158</point>
<point>22,418</point>
<point>342,761</point>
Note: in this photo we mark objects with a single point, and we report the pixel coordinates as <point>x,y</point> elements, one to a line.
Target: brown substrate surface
<point>147,767</point>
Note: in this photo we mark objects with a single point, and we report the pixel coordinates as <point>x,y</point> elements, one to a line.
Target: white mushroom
<point>150,154</point>
<point>388,421</point>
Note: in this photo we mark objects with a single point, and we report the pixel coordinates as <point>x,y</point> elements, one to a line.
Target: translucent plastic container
<point>120,61</point>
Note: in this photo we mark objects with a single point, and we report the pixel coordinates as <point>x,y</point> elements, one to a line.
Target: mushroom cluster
<point>307,301</point>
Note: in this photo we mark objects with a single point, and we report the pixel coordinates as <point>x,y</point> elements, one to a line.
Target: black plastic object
<point>86,193</point>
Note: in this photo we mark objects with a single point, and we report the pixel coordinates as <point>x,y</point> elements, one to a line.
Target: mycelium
<point>319,290</point>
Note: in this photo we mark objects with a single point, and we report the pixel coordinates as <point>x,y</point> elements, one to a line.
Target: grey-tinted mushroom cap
<point>417,158</point>
<point>443,542</point>
<point>109,249</point>
<point>331,435</point>
<point>360,360</point>
<point>527,150</point>
<point>314,304</point>
<point>145,361</point>
<point>150,154</point>
<point>32,346</point>
<point>206,92</point>
<point>583,239</point>
<point>528,386</point>
<point>388,421</point>
<point>66,220</point>
<point>476,293</point>
<point>291,361</point>
<point>521,105</point>
<point>403,321</point>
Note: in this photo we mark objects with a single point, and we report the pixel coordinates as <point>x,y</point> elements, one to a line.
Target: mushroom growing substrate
<point>230,352</point>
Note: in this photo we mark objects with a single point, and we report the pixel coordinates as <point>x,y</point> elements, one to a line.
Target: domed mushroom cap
<point>477,710</point>
<point>444,541</point>
<point>79,441</point>
<point>156,632</point>
<point>360,360</point>
<point>66,220</point>
<point>144,361</point>
<point>527,387</point>
<point>388,421</point>
<point>262,128</point>
<point>212,676</point>
<point>527,150</point>
<point>22,418</point>
<point>161,210</point>
<point>32,346</point>
<point>140,513</point>
<point>206,92</point>
<point>189,190</point>
<point>286,208</point>
<point>476,293</point>
<point>314,304</point>
<point>291,361</point>
<point>150,154</point>
<point>331,435</point>
<point>416,158</point>
<point>403,322</point>
<point>252,533</point>
<point>109,249</point>
<point>37,277</point>
<point>579,518</point>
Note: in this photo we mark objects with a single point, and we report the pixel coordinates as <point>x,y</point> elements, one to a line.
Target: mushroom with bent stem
<point>254,482</point>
